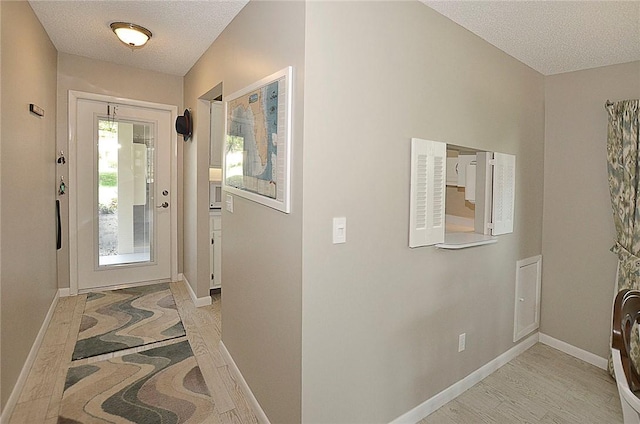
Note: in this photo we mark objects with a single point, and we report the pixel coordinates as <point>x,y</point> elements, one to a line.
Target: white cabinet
<point>217,134</point>
<point>215,250</point>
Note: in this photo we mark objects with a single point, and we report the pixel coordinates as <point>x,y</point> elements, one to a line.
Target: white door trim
<point>74,96</point>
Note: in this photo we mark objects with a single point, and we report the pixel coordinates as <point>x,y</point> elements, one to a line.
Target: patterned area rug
<point>126,318</point>
<point>160,385</point>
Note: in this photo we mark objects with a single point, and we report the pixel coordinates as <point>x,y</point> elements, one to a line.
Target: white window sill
<point>454,241</point>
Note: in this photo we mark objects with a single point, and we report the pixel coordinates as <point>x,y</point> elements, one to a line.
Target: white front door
<point>123,199</point>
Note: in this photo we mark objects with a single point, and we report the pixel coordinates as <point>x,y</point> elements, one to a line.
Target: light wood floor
<point>40,398</point>
<point>543,385</point>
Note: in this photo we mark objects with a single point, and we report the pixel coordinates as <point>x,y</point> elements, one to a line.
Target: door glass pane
<point>125,192</point>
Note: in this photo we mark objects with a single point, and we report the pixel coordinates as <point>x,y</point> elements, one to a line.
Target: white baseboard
<point>198,301</point>
<point>576,352</point>
<point>456,389</point>
<point>246,390</point>
<point>26,368</point>
<point>64,292</point>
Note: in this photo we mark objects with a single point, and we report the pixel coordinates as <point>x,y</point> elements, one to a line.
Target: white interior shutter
<point>504,184</point>
<point>428,172</point>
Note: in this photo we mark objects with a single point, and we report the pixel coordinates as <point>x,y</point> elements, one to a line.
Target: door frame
<point>74,97</point>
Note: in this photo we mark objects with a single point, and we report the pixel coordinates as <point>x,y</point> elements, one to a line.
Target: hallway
<point>39,401</point>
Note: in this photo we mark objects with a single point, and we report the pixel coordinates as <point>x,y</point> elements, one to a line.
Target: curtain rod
<point>608,103</point>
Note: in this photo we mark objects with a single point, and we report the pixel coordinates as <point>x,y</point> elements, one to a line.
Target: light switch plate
<point>339,230</point>
<point>462,342</point>
<point>229,203</point>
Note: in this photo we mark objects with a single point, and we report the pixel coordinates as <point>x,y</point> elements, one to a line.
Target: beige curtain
<point>624,186</point>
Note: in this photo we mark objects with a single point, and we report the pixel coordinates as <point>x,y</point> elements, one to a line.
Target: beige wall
<point>380,320</point>
<point>261,249</point>
<point>579,270</point>
<point>96,76</point>
<point>28,235</point>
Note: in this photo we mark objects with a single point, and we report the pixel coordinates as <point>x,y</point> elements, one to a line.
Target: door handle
<point>58,227</point>
<point>164,205</point>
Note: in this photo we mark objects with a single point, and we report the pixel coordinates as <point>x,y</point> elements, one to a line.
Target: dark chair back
<point>626,311</point>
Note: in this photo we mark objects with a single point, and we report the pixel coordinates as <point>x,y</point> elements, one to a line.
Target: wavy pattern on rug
<point>126,318</point>
<point>160,385</point>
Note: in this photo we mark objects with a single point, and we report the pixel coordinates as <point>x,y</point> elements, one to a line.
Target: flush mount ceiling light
<point>132,35</point>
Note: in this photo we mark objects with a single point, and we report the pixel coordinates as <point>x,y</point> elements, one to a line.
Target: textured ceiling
<point>182,30</point>
<point>553,36</point>
<point>550,36</point>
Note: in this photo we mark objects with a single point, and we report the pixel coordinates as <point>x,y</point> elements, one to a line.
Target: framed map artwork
<point>257,151</point>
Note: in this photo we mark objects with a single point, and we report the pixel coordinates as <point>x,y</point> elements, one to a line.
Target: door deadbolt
<point>165,193</point>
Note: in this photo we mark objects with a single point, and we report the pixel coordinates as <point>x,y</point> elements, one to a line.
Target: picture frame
<point>257,145</point>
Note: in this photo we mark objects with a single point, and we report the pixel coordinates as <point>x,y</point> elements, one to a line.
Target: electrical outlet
<point>462,340</point>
